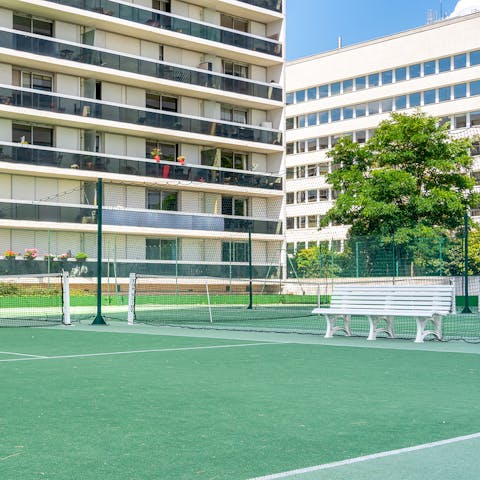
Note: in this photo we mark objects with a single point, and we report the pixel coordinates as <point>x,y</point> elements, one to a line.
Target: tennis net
<point>34,300</point>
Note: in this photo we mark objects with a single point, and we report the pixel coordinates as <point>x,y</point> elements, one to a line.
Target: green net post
<point>466,308</point>
<point>250,269</point>
<point>99,320</point>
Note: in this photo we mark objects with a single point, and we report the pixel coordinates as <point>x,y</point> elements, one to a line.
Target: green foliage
<point>317,262</point>
<point>17,290</point>
<point>409,180</point>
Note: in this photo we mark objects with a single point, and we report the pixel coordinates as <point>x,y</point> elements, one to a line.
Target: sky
<point>313,26</point>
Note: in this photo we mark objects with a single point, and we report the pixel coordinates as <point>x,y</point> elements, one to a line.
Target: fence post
<point>466,308</point>
<point>99,320</point>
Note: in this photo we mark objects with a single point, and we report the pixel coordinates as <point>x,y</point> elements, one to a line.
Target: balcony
<point>275,5</point>
<point>51,157</point>
<point>88,55</point>
<point>122,217</point>
<point>81,107</point>
<point>174,23</point>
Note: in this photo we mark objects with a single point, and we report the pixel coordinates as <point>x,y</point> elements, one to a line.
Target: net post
<point>250,269</point>
<point>131,298</point>
<point>66,298</point>
<point>208,300</point>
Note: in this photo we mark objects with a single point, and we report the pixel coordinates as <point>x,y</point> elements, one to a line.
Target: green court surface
<point>141,403</point>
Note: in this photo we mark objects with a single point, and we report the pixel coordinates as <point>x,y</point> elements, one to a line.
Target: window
<point>290,148</point>
<point>444,94</point>
<point>33,134</point>
<point>235,160</point>
<point>474,119</point>
<point>234,23</point>
<point>289,98</point>
<point>475,88</point>
<point>475,58</point>
<point>361,136</point>
<point>233,114</point>
<point>290,223</point>
<point>444,64</point>
<point>360,110</point>
<point>312,93</point>
<point>300,96</point>
<point>301,146</point>
<point>323,91</point>
<point>234,252</point>
<point>415,71</point>
<point>323,168</point>
<point>311,144</point>
<point>387,77</point>
<point>429,97</point>
<point>323,117</point>
<point>312,170</point>
<point>323,143</point>
<point>160,249</point>
<point>311,196</point>
<point>460,90</point>
<point>301,197</point>
<point>161,102</point>
<point>168,150</point>
<point>162,5</point>
<point>460,121</point>
<point>360,83</point>
<point>162,200</point>
<point>323,195</point>
<point>429,68</point>
<point>312,221</point>
<point>301,222</point>
<point>234,206</point>
<point>301,121</point>
<point>347,113</point>
<point>460,61</point>
<point>387,105</point>
<point>373,80</point>
<point>290,123</point>
<point>347,86</point>
<point>301,171</point>
<point>335,88</point>
<point>290,198</point>
<point>373,108</point>
<point>415,99</point>
<point>290,173</point>
<point>400,102</point>
<point>336,114</point>
<point>235,69</point>
<point>34,80</point>
<point>312,119</point>
<point>33,25</point>
<point>400,74</point>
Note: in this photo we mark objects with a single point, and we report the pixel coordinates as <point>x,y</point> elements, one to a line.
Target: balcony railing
<point>49,157</point>
<point>43,212</point>
<point>81,107</point>
<point>39,45</point>
<point>275,5</point>
<point>174,23</point>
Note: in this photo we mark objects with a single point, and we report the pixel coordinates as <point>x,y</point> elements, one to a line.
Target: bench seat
<point>381,305</point>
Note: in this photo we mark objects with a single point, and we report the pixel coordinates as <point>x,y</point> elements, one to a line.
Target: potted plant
<point>155,154</point>
<point>81,257</point>
<point>10,254</point>
<point>30,254</point>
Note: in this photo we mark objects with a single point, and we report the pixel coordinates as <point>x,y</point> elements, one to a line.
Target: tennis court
<point>143,402</point>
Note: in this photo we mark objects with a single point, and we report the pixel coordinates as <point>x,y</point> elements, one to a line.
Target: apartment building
<point>177,106</point>
<point>349,91</point>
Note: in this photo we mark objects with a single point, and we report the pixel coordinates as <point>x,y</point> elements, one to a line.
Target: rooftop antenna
<point>339,43</point>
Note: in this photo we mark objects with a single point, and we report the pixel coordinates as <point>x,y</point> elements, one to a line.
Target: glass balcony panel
<point>173,23</point>
<point>151,68</point>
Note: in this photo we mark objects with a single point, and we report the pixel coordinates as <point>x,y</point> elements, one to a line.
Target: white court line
<point>82,355</point>
<point>374,456</point>
<point>22,354</point>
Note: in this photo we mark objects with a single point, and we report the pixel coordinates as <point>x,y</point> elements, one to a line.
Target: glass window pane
<point>360,110</point>
<point>41,27</point>
<point>323,117</point>
<point>360,83</point>
<point>387,77</point>
<point>415,99</point>
<point>300,96</point>
<point>428,97</point>
<point>21,133</point>
<point>290,97</point>
<point>323,143</point>
<point>460,90</point>
<point>312,196</point>
<point>361,136</point>
<point>290,173</point>
<point>475,88</point>
<point>460,121</point>
<point>475,58</point>
<point>335,88</point>
<point>323,91</point>
<point>301,146</point>
<point>312,119</point>
<point>336,114</point>
<point>444,94</point>
<point>474,119</point>
<point>429,68</point>
<point>387,105</point>
<point>347,86</point>
<point>312,93</point>
<point>460,61</point>
<point>42,136</point>
<point>22,23</point>
<point>347,113</point>
<point>290,148</point>
<point>400,74</point>
<point>301,121</point>
<point>312,144</point>
<point>444,64</point>
<point>373,108</point>
<point>289,123</point>
<point>373,80</point>
<point>415,70</point>
<point>401,102</point>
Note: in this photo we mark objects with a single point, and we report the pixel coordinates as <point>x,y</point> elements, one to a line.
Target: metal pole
<point>99,320</point>
<point>466,308</point>
<point>250,270</point>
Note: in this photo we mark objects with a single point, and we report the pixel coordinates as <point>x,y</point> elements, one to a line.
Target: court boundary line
<point>128,352</point>
<point>373,456</point>
<point>22,354</point>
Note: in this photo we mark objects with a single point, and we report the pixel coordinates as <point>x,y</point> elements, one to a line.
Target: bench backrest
<point>419,298</point>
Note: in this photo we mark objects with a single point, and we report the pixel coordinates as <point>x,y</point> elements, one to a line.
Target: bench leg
<point>422,332</point>
<point>374,321</point>
<point>331,328</point>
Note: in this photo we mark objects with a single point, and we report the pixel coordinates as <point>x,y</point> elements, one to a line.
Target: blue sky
<point>313,26</point>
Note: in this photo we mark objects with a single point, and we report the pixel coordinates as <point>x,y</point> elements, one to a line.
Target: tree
<point>317,262</point>
<point>410,180</point>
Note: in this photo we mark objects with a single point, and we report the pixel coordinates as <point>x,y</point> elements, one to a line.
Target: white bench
<point>426,303</point>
